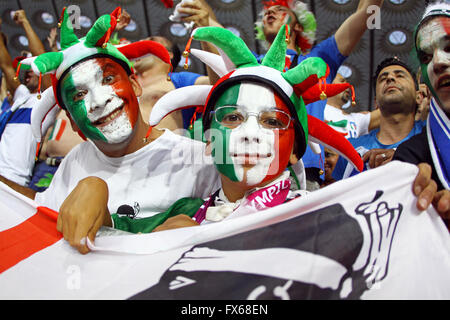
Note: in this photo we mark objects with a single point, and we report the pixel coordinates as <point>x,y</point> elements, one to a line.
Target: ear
<point>298,28</point>
<point>135,85</point>
<point>419,97</point>
<point>293,159</point>
<point>74,126</point>
<point>208,149</point>
<point>72,123</point>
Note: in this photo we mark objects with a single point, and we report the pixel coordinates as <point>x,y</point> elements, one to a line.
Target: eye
<point>108,79</point>
<point>233,118</point>
<point>272,123</point>
<point>79,95</point>
<point>425,58</point>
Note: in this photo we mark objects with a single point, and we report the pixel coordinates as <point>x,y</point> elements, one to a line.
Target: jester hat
<point>237,64</point>
<point>304,17</point>
<point>74,51</point>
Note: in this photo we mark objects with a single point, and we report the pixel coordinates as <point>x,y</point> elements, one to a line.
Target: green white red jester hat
<point>237,64</point>
<point>73,51</point>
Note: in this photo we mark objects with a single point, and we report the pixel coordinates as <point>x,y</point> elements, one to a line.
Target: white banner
<point>361,238</point>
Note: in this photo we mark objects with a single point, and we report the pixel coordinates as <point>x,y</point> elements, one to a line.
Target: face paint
<point>252,153</point>
<point>433,45</point>
<point>101,100</point>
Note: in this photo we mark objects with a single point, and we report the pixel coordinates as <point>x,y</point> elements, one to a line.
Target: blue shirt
<point>365,143</point>
<point>184,79</point>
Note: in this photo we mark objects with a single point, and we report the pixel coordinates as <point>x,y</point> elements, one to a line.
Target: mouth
<point>443,82</point>
<point>249,158</point>
<point>103,121</point>
<point>27,78</point>
<point>270,19</point>
<point>390,88</point>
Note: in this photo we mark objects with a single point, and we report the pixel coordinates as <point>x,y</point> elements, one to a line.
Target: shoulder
<point>414,150</point>
<point>365,140</point>
<point>184,78</point>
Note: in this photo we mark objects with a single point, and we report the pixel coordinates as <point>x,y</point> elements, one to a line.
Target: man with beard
<point>95,84</point>
<point>395,96</point>
<point>333,50</point>
<point>17,145</point>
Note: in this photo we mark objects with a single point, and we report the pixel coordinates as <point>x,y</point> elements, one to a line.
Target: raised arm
<point>202,15</point>
<point>7,69</point>
<point>34,43</point>
<point>353,28</point>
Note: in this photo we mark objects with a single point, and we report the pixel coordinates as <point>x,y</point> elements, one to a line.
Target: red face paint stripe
<point>61,130</point>
<point>123,89</point>
<point>445,21</point>
<point>34,234</point>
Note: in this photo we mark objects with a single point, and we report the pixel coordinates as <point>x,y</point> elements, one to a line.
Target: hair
<point>176,55</point>
<point>394,61</point>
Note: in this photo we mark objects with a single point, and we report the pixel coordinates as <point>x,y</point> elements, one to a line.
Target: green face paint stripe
<point>78,112</point>
<point>225,165</point>
<point>229,97</point>
<point>221,142</point>
<point>426,79</point>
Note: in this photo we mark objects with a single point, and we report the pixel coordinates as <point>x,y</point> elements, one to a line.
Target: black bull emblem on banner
<point>320,255</point>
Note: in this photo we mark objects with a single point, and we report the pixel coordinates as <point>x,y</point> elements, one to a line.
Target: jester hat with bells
<point>237,64</point>
<point>74,51</point>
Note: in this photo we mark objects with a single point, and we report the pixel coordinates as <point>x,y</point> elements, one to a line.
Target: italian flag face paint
<point>432,50</point>
<point>251,153</point>
<point>101,100</point>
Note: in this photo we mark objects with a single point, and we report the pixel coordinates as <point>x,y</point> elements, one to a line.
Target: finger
<point>422,179</point>
<point>79,232</point>
<point>95,227</point>
<point>426,196</point>
<point>189,11</point>
<point>65,226</point>
<point>379,158</point>
<point>366,156</point>
<point>59,223</point>
<point>441,203</point>
<point>372,160</point>
<point>386,161</point>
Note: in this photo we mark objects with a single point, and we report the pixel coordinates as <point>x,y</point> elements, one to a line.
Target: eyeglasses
<point>232,117</point>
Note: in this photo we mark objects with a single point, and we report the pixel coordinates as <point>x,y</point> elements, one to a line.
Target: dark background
<point>150,17</point>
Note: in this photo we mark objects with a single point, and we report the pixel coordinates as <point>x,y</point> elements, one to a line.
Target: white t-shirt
<point>149,180</point>
<point>17,144</point>
<point>357,124</point>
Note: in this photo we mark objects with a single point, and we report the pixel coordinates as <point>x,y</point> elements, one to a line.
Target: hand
<point>83,212</point>
<point>378,157</point>
<point>125,19</point>
<point>196,11</point>
<point>179,221</point>
<point>425,189</point>
<point>20,17</point>
<point>52,39</point>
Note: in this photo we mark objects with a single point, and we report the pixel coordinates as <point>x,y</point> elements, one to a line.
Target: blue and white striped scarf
<point>438,133</point>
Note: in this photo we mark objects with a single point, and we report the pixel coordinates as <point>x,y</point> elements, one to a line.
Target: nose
<point>251,132</point>
<point>99,99</point>
<point>440,61</point>
<point>390,77</point>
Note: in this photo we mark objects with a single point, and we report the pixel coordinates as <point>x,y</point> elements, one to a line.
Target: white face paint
<point>251,144</point>
<point>105,110</point>
<point>434,43</point>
